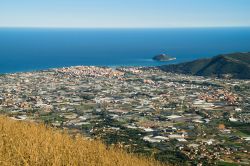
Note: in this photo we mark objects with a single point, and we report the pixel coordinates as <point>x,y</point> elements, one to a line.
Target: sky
<point>124,13</point>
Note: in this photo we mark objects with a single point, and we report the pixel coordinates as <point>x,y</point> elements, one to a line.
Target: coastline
<point>27,50</point>
<point>124,104</point>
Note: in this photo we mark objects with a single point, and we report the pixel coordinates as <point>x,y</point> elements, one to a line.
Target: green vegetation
<point>51,117</point>
<point>222,163</point>
<point>236,65</point>
<point>243,128</point>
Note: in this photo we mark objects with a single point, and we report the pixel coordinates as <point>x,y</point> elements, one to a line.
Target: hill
<point>236,65</point>
<point>26,143</point>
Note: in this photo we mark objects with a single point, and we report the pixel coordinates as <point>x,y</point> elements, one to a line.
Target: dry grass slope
<point>26,143</point>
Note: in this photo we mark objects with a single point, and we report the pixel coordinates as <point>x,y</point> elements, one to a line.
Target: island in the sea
<point>163,58</point>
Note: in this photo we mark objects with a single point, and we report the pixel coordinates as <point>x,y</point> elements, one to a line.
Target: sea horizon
<point>31,49</point>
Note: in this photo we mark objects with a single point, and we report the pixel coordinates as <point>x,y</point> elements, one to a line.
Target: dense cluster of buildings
<point>203,119</point>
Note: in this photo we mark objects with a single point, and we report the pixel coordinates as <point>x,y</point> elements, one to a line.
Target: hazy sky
<point>124,13</point>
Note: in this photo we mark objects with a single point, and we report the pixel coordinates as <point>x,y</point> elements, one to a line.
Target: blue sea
<point>27,49</point>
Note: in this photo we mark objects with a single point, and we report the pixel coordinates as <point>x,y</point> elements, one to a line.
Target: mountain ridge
<point>234,65</point>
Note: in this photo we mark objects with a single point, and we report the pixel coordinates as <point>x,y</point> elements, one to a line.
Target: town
<point>176,118</point>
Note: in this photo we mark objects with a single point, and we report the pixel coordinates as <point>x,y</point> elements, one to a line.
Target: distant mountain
<point>235,65</point>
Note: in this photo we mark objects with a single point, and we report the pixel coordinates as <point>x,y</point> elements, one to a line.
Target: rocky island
<point>163,58</point>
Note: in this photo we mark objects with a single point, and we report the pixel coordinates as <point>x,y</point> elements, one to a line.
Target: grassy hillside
<point>236,65</point>
<point>25,143</point>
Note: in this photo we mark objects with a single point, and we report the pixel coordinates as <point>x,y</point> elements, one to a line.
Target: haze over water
<point>28,49</point>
